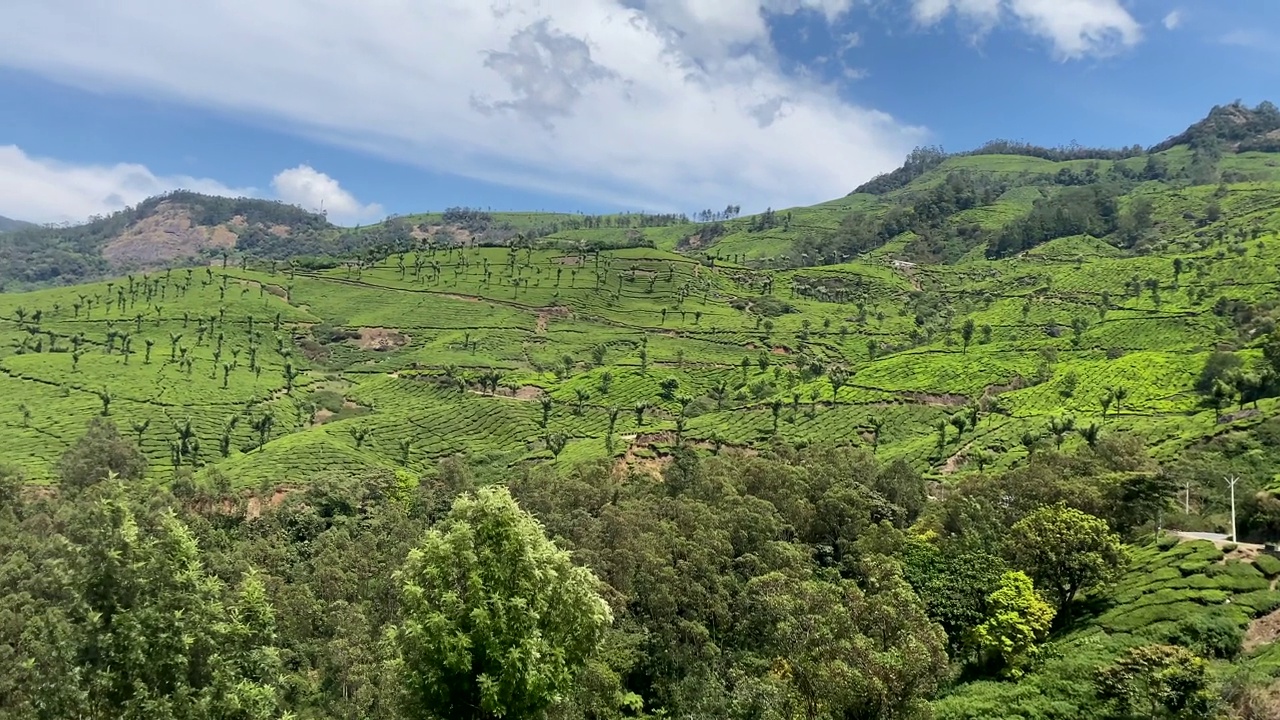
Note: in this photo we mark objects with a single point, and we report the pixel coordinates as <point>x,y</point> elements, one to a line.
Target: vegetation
<point>925,450</point>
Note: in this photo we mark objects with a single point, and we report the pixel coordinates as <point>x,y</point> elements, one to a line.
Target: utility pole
<point>1231,481</point>
<point>1186,501</point>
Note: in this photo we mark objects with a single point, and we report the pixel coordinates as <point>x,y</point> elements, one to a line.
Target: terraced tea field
<point>1190,593</point>
<point>514,354</point>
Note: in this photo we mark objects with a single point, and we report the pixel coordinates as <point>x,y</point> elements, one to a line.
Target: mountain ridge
<point>8,224</point>
<point>936,207</point>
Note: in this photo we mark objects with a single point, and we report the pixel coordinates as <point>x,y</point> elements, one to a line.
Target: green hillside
<point>718,352</point>
<point>1189,594</point>
<point>711,350</point>
<point>878,397</point>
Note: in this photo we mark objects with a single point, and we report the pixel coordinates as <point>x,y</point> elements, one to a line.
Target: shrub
<point>328,400</point>
<point>1229,547</point>
<point>1167,542</point>
<point>1210,635</point>
<point>328,334</point>
<point>770,306</point>
<point>1259,602</point>
<point>1192,567</point>
<point>1235,569</point>
<point>1268,565</point>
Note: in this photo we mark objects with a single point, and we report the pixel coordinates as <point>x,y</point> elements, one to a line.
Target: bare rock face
<point>166,235</point>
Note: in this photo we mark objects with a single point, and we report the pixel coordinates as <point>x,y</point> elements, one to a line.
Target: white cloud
<point>1251,39</point>
<point>48,191</point>
<point>674,104</point>
<point>984,12</point>
<point>1075,28</point>
<point>1173,20</point>
<point>43,190</point>
<point>663,104</point>
<point>313,190</point>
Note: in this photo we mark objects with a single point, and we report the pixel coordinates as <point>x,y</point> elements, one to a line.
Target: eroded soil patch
<point>381,339</point>
<point>1262,631</point>
<point>936,399</point>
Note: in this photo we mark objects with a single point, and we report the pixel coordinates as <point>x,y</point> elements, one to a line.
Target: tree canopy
<point>497,620</point>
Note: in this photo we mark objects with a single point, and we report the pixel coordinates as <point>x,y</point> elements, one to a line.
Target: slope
<point>633,349</point>
<point>8,224</point>
<point>525,336</point>
<point>1190,593</point>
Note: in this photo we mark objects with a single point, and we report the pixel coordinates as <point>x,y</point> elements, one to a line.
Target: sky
<point>366,108</point>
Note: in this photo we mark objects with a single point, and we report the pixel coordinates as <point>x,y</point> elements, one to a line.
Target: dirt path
<point>527,393</point>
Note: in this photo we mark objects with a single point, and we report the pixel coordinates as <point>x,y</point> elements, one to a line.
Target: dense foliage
<point>797,582</point>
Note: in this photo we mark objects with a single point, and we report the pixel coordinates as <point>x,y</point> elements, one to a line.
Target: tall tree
<point>841,652</point>
<point>100,452</point>
<point>838,377</point>
<point>1067,551</point>
<point>1018,618</point>
<point>497,621</point>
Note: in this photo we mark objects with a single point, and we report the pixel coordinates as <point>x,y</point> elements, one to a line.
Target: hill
<point>162,231</point>
<point>184,228</point>
<point>724,417</point>
<point>555,327</point>
<point>944,208</point>
<point>7,224</point>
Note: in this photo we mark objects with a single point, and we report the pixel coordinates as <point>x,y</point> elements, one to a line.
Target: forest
<point>817,583</point>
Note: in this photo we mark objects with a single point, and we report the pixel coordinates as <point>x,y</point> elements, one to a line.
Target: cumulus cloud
<point>663,104</point>
<point>1173,20</point>
<point>42,190</point>
<point>1074,28</point>
<point>313,190</point>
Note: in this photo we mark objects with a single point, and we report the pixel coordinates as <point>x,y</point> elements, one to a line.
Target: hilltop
<point>7,224</point>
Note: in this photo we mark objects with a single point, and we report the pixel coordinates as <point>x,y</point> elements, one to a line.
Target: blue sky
<point>383,106</point>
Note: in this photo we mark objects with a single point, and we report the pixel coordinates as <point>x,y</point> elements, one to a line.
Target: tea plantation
<point>268,374</point>
<point>945,447</point>
<point>959,314</point>
<point>1185,594</point>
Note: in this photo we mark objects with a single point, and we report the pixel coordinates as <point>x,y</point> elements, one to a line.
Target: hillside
<point>7,224</point>
<point>185,229</point>
<point>720,352</point>
<point>946,208</point>
<point>724,417</point>
<point>997,200</point>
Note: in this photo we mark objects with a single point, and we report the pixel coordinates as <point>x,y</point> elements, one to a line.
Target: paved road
<point>1215,538</point>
